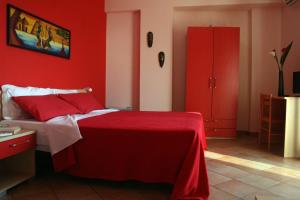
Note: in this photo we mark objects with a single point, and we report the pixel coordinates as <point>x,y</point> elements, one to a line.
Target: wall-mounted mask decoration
<point>150,39</point>
<point>290,2</point>
<point>161,58</point>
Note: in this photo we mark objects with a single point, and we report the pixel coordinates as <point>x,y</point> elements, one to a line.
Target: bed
<point>152,147</point>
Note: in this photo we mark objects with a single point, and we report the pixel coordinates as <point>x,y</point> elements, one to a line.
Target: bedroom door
<point>212,77</point>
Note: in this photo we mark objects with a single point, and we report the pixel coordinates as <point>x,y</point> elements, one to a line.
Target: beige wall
<point>203,17</point>
<point>291,31</point>
<point>155,82</point>
<point>122,61</point>
<point>261,31</point>
<point>193,3</point>
<point>266,36</point>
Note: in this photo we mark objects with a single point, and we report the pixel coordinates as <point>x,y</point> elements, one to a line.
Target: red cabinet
<point>212,77</point>
<point>17,159</point>
<point>16,145</point>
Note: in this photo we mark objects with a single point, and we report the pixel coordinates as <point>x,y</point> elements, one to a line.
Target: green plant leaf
<point>285,53</point>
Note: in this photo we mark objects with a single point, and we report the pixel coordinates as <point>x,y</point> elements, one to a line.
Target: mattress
<point>39,127</point>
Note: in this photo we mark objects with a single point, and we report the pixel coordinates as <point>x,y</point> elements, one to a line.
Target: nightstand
<point>17,159</point>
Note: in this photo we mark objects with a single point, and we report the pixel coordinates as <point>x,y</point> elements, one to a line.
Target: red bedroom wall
<point>87,22</point>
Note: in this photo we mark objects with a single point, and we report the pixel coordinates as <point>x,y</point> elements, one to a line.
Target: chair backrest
<point>266,106</point>
<point>272,112</point>
<point>278,108</point>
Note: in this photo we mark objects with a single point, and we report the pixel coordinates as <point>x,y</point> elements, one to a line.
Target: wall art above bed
<point>27,31</point>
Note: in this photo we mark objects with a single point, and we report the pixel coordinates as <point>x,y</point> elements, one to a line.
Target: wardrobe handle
<point>215,82</point>
<point>210,82</point>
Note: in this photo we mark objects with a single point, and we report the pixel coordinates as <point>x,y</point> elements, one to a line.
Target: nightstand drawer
<point>17,145</point>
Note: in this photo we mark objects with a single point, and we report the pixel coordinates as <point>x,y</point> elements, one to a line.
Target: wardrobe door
<point>199,70</point>
<point>225,92</point>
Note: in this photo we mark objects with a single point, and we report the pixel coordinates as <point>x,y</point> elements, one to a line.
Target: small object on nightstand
<point>4,134</point>
<point>9,129</point>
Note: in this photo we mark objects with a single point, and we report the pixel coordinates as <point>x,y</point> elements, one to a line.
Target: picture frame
<point>28,31</point>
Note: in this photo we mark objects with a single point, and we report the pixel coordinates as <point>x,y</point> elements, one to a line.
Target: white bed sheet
<point>58,133</point>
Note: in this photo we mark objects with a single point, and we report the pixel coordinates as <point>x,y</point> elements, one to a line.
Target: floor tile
<point>107,192</point>
<point>284,171</point>
<point>286,190</point>
<point>76,193</point>
<point>262,193</point>
<point>233,150</point>
<point>253,163</point>
<point>37,196</point>
<point>215,178</point>
<point>294,182</point>
<point>157,195</point>
<point>268,197</point>
<point>294,163</point>
<point>132,191</point>
<point>258,181</point>
<point>271,175</point>
<point>215,165</point>
<point>246,155</point>
<point>236,188</point>
<point>225,170</point>
<point>6,197</point>
<point>216,194</point>
<point>30,188</point>
<point>213,155</point>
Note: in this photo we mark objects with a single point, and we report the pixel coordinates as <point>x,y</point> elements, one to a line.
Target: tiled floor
<point>238,170</point>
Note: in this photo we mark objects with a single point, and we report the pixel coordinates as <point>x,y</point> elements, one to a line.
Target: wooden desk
<point>292,127</point>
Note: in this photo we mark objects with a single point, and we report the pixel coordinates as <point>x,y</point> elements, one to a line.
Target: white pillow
<point>11,110</point>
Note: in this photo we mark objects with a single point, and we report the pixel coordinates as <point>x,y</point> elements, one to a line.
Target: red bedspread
<point>157,147</point>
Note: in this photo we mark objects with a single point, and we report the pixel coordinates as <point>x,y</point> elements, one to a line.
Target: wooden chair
<point>272,119</point>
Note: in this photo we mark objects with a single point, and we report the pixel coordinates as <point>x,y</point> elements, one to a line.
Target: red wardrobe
<point>212,77</point>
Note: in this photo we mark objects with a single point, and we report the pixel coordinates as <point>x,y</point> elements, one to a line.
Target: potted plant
<point>280,63</point>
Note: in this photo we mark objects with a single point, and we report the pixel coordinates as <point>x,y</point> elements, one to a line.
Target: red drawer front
<point>17,145</point>
<point>220,133</point>
<point>223,124</point>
